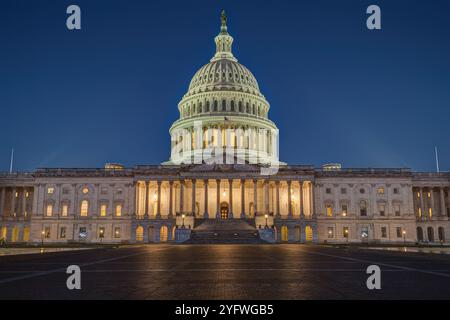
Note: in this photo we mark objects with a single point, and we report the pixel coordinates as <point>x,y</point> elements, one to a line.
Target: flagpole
<point>12,159</point>
<point>437,159</point>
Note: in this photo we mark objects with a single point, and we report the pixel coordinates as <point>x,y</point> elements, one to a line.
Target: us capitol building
<point>224,183</point>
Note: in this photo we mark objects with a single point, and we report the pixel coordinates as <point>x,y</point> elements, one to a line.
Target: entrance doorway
<point>224,210</point>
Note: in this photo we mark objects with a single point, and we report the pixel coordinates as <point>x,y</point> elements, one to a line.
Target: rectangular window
<point>382,209</point>
<point>117,232</point>
<point>420,212</point>
<point>50,190</point>
<point>330,232</point>
<point>49,211</point>
<point>82,233</point>
<point>397,210</point>
<point>84,208</point>
<point>345,232</point>
<point>47,232</point>
<point>118,210</point>
<point>383,232</point>
<point>344,210</point>
<point>396,190</point>
<point>104,191</point>
<point>65,210</point>
<point>430,212</point>
<point>62,233</point>
<point>101,232</point>
<point>380,190</point>
<point>65,191</point>
<point>343,191</point>
<point>399,232</point>
<point>329,211</point>
<point>328,190</point>
<point>103,210</point>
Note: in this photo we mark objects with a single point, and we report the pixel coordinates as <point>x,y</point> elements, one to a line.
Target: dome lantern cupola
<point>223,41</point>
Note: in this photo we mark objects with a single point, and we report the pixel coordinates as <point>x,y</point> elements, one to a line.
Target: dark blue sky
<point>338,92</point>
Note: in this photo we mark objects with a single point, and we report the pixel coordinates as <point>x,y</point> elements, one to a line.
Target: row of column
<point>230,193</point>
<point>23,193</point>
<point>441,201</point>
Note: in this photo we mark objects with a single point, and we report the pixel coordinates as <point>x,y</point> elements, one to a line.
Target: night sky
<point>338,92</point>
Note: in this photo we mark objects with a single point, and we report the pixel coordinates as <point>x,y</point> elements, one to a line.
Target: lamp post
<point>42,238</point>
<point>266,216</point>
<point>404,237</point>
<point>183,216</point>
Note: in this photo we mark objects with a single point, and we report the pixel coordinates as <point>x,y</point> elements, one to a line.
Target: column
<point>205,213</point>
<point>289,198</point>
<point>170,199</point>
<point>242,198</point>
<point>431,203</point>
<point>158,203</point>
<point>266,196</point>
<point>181,196</point>
<point>311,200</point>
<point>13,203</point>
<point>217,198</point>
<point>24,201</point>
<point>2,201</point>
<point>422,209</point>
<point>442,198</point>
<point>277,184</point>
<point>302,210</point>
<point>230,188</point>
<point>193,197</point>
<point>146,198</point>
<point>255,196</point>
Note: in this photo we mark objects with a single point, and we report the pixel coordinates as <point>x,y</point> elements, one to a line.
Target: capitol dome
<point>223,109</point>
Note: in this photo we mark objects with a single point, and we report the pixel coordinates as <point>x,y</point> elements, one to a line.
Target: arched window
<point>224,105</point>
<point>139,233</point>
<point>284,234</point>
<point>15,234</point>
<point>240,106</point>
<point>441,233</point>
<point>207,106</point>
<point>232,105</point>
<point>84,208</point>
<point>308,233</point>
<point>430,232</point>
<point>26,234</point>
<point>419,234</point>
<point>215,105</point>
<point>363,208</point>
<point>247,108</point>
<point>163,234</point>
<point>103,210</point>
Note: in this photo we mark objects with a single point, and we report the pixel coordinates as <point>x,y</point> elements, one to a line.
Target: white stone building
<point>224,169</point>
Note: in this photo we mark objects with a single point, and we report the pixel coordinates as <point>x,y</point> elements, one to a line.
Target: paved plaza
<point>226,272</point>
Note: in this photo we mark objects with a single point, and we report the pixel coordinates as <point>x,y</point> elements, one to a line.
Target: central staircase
<point>224,231</point>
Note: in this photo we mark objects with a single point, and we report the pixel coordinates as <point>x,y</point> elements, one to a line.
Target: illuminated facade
<point>218,177</point>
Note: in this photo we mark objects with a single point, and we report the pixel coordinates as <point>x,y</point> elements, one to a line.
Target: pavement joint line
<point>381,264</point>
<point>44,273</point>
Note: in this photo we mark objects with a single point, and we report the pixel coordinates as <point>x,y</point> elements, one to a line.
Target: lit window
<point>329,210</point>
<point>103,210</point>
<point>429,194</point>
<point>420,212</point>
<point>85,190</point>
<point>345,232</point>
<point>84,208</point>
<point>418,194</point>
<point>118,210</point>
<point>27,194</point>
<point>117,232</point>
<point>49,210</point>
<point>101,232</point>
<point>47,232</point>
<point>330,232</point>
<point>65,209</point>
<point>344,210</point>
<point>430,212</point>
<point>380,190</point>
<point>50,190</point>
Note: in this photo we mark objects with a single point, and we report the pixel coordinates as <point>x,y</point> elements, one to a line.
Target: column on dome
<point>242,198</point>
<point>230,188</point>
<point>205,213</point>
<point>217,198</point>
